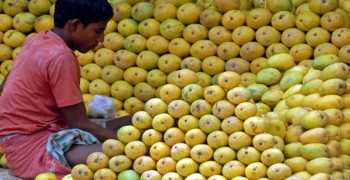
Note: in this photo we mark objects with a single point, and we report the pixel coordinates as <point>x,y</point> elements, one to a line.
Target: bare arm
<point>76,117</point>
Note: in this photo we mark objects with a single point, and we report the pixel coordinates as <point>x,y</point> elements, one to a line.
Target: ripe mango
<point>333,86</point>
<point>314,119</point>
<point>298,68</point>
<point>322,176</point>
<point>295,100</point>
<point>314,150</point>
<point>294,115</point>
<point>334,148</point>
<point>329,102</point>
<point>345,146</point>
<point>278,171</point>
<point>337,164</point>
<point>255,125</point>
<point>282,61</point>
<point>333,132</point>
<point>293,134</point>
<point>321,62</point>
<point>345,130</point>
<point>319,165</point>
<point>337,70</point>
<point>335,116</point>
<point>346,160</point>
<point>299,176</point>
<point>297,164</point>
<point>315,135</point>
<point>272,156</point>
<point>310,100</point>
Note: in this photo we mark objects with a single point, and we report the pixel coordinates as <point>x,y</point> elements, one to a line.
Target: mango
<point>257,91</point>
<point>346,98</point>
<point>268,76</point>
<point>346,160</point>
<point>278,171</point>
<point>272,97</point>
<point>319,165</point>
<point>290,79</point>
<point>310,100</point>
<point>271,156</point>
<point>346,113</point>
<point>312,74</point>
<point>297,164</point>
<point>314,150</point>
<point>298,68</point>
<point>321,62</point>
<point>337,164</point>
<point>295,100</point>
<point>337,70</point>
<point>299,176</point>
<point>345,130</point>
<point>276,127</point>
<point>293,134</point>
<point>315,135</point>
<point>314,119</point>
<point>292,149</point>
<point>338,175</point>
<point>295,89</point>
<point>323,176</point>
<point>333,132</point>
<point>329,102</point>
<point>311,87</point>
<point>334,148</point>
<point>333,86</point>
<point>281,61</point>
<point>345,146</point>
<point>335,116</point>
<point>294,115</point>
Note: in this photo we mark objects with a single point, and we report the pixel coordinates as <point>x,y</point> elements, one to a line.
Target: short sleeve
<point>64,78</point>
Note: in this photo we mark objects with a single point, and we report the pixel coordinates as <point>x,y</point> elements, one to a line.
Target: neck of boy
<point>61,33</point>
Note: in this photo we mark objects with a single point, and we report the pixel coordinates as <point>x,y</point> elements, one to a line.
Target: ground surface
<point>5,174</point>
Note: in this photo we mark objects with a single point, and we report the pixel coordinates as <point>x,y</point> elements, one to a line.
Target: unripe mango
<point>321,62</point>
<point>292,149</point>
<point>268,76</point>
<point>290,79</point>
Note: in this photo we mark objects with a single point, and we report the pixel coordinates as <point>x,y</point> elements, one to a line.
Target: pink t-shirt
<point>44,77</point>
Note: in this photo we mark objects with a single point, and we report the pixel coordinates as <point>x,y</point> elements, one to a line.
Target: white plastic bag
<point>102,107</point>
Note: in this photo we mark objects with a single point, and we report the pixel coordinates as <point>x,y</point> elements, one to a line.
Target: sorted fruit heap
<point>218,89</point>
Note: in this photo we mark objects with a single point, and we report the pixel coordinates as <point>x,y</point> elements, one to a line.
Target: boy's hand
<point>117,123</point>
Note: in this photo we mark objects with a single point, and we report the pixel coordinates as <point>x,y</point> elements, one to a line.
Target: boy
<point>43,122</point>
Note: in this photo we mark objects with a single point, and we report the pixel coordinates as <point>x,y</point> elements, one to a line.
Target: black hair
<point>87,11</point>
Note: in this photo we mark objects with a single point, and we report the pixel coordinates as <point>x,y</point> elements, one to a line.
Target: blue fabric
<point>62,141</point>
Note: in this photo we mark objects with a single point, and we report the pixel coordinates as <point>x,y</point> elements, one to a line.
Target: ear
<point>74,25</point>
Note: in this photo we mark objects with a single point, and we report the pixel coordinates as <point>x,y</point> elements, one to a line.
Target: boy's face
<point>87,37</point>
